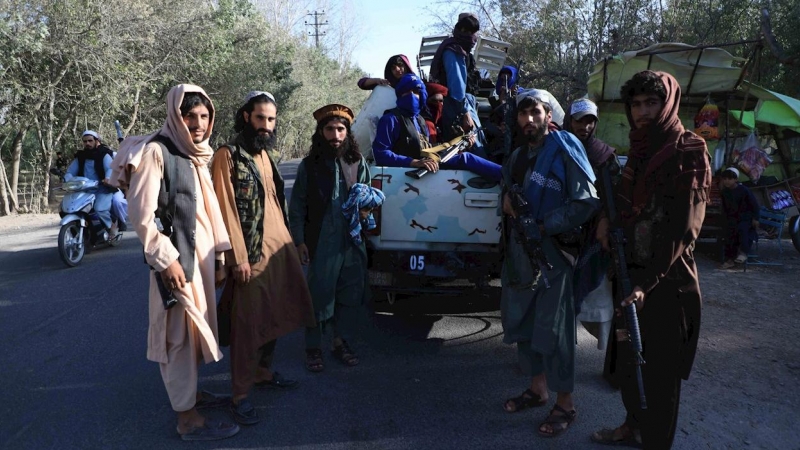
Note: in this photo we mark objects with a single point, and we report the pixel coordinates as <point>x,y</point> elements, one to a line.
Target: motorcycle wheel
<point>794,231</point>
<point>69,250</point>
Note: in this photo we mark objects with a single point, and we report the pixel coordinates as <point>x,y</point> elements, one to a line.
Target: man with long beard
<point>167,178</point>
<point>337,265</point>
<point>662,201</point>
<point>556,181</point>
<point>266,298</point>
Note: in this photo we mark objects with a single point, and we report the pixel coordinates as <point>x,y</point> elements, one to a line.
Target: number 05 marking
<point>417,262</point>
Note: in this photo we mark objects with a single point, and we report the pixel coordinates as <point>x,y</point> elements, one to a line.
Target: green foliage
<point>74,64</point>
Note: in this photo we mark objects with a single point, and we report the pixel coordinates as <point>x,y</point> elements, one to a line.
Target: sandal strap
<point>525,400</point>
<point>564,416</point>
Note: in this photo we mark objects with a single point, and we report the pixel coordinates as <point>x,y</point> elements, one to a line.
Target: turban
<point>92,134</point>
<point>436,88</point>
<point>253,94</point>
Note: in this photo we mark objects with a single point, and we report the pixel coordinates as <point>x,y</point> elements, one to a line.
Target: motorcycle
<point>81,227</point>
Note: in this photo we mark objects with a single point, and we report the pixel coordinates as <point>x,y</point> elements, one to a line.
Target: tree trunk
<point>16,156</point>
<point>3,191</point>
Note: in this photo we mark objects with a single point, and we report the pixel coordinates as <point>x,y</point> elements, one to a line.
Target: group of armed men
<point>230,227</point>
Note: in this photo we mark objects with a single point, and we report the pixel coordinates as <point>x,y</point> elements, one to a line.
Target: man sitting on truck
<point>402,134</point>
<point>454,66</point>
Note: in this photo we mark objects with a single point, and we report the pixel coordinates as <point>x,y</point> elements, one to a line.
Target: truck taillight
<point>377,183</point>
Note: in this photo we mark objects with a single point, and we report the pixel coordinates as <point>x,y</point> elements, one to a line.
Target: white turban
<point>91,133</point>
<point>542,96</point>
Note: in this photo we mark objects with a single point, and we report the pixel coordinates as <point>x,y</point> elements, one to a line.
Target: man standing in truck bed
<point>556,179</point>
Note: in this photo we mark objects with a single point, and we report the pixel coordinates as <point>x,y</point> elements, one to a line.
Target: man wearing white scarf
<point>181,336</point>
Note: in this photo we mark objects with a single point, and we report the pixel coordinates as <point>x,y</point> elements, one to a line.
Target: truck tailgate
<point>453,206</point>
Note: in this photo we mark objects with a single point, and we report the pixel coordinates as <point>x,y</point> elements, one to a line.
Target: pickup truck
<point>440,230</point>
<point>433,231</point>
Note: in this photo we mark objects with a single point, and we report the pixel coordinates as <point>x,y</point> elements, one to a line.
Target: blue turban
<point>409,103</point>
<point>361,196</point>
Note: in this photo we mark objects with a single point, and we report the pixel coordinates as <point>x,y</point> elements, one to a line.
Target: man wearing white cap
<point>539,317</point>
<point>267,296</point>
<point>94,163</point>
<point>742,213</point>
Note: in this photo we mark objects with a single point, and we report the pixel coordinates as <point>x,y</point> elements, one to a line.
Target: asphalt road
<point>432,376</point>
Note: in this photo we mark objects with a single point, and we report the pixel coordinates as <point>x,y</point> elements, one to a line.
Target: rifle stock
<point>624,286</point>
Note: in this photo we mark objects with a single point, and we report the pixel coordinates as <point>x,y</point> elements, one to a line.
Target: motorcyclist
<point>94,163</point>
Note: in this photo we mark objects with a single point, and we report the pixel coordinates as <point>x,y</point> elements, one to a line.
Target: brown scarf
<point>652,147</point>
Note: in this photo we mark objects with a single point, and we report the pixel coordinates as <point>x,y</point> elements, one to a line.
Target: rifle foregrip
<point>633,327</point>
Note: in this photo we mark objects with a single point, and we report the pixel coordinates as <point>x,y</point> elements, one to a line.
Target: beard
<point>339,151</point>
<point>535,133</point>
<point>259,141</point>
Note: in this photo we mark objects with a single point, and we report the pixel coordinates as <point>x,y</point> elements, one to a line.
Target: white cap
<point>582,108</point>
<point>91,133</point>
<point>542,96</point>
<point>732,169</point>
<point>253,94</point>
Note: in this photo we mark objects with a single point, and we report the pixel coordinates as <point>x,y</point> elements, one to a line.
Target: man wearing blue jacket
<point>454,66</point>
<point>402,134</point>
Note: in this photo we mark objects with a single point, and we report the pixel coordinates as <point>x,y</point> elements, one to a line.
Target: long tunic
<point>337,273</point>
<point>196,300</point>
<point>546,317</point>
<point>276,301</point>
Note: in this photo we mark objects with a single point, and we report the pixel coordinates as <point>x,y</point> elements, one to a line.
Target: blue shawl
<point>549,174</point>
<point>361,196</point>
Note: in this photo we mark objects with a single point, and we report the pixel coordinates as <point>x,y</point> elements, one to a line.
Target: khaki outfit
<point>178,338</point>
<point>276,301</point>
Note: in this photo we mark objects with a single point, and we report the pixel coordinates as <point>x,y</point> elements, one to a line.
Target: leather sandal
<point>629,437</point>
<point>527,399</point>
<point>345,355</point>
<point>559,420</point>
<point>314,362</point>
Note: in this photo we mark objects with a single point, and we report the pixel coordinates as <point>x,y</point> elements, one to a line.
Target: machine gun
<point>444,152</point>
<point>528,233</point>
<point>624,287</point>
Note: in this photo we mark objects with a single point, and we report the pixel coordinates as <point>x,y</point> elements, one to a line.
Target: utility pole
<point>316,24</point>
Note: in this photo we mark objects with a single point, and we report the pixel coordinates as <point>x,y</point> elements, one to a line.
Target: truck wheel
<point>794,231</point>
<point>69,249</point>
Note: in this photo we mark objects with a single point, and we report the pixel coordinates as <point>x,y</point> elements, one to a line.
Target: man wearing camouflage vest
<point>266,297</point>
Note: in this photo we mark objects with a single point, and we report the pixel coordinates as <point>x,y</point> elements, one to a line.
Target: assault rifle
<point>624,288</point>
<point>528,234</point>
<point>445,152</point>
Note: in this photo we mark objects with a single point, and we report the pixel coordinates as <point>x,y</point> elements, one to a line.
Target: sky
<point>392,28</point>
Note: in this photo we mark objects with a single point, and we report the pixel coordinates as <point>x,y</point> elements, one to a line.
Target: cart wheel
<point>794,231</point>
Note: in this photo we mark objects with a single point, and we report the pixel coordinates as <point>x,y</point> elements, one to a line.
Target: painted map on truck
<point>452,206</point>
